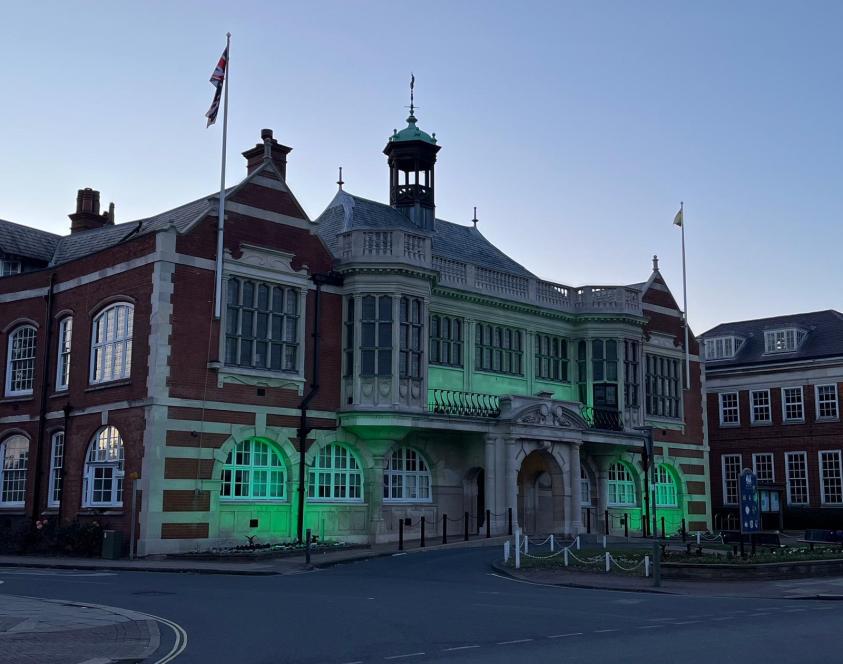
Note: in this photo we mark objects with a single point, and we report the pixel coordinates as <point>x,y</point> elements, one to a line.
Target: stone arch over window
<point>103,475</point>
<point>254,470</point>
<point>406,477</point>
<point>111,342</point>
<point>335,475</point>
<point>14,462</point>
<point>621,485</point>
<point>20,360</point>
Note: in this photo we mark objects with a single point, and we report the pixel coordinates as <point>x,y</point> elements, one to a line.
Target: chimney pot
<point>267,150</point>
<point>87,215</point>
<point>266,134</point>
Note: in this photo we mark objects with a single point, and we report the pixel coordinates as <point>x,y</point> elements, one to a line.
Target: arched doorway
<point>540,494</point>
<point>474,498</point>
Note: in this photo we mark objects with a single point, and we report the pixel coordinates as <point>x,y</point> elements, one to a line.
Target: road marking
<point>603,631</point>
<point>689,622</point>
<point>562,636</point>
<point>509,643</point>
<point>728,617</point>
<point>754,615</point>
<point>458,648</point>
<point>793,610</point>
<point>409,654</point>
<point>650,627</point>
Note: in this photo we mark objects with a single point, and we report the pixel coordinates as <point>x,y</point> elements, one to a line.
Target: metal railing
<point>467,404</point>
<point>604,419</point>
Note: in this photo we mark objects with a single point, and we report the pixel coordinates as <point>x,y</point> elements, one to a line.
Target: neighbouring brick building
<point>773,392</point>
<point>449,378</point>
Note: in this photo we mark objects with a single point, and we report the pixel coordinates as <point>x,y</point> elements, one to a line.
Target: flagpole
<point>685,303</point>
<point>221,211</point>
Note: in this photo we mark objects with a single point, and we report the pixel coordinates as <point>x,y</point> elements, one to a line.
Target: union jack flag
<point>217,80</point>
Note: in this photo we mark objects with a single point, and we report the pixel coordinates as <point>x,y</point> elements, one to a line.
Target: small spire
<point>474,220</point>
<point>340,181</point>
<point>655,263</point>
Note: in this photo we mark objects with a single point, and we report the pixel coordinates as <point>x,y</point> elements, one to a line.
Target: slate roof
<point>56,249</point>
<point>452,241</point>
<point>824,338</point>
<point>28,242</point>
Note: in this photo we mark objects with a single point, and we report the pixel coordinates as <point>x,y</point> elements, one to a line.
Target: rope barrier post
<point>647,566</point>
<point>684,532</point>
<point>422,533</point>
<point>551,542</point>
<point>626,526</point>
<point>465,526</point>
<point>578,542</point>
<point>488,524</point>
<point>606,521</point>
<point>526,543</point>
<point>506,551</point>
<point>657,565</point>
<point>698,539</point>
<point>604,541</point>
<point>400,534</point>
<point>518,549</point>
<point>444,529</point>
<point>565,555</point>
<point>307,546</point>
<point>608,562</point>
<point>509,518</point>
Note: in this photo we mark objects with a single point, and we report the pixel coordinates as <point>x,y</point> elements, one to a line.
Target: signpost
<point>750,509</point>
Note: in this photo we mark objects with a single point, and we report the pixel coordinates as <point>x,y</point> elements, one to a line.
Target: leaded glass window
<point>551,358</point>
<point>14,460</point>
<point>20,365</point>
<point>335,475</point>
<point>410,337</point>
<point>406,477</point>
<point>498,349</point>
<point>376,331</point>
<point>253,470</point>
<point>446,340</point>
<point>663,393</point>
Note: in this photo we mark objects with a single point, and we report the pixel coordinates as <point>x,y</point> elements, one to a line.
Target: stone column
<point>602,489</point>
<point>494,484</point>
<point>575,517</point>
<point>512,478</point>
<point>374,497</point>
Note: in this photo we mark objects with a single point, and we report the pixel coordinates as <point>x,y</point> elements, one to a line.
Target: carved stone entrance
<point>541,494</point>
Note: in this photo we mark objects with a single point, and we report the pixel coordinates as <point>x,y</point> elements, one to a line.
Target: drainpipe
<point>319,279</point>
<point>42,409</point>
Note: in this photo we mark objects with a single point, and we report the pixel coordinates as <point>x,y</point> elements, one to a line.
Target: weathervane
<point>340,182</point>
<point>412,86</point>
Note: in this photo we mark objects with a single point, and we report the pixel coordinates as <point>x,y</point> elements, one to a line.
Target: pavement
<point>36,630</point>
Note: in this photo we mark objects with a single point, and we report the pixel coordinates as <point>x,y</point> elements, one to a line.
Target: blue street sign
<point>750,509</point>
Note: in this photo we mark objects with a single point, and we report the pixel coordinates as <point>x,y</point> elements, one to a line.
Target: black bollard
<point>684,532</point>
<point>465,526</point>
<point>307,547</point>
<point>488,524</point>
<point>444,529</point>
<point>509,519</point>
<point>422,533</point>
<point>663,537</point>
<point>588,521</point>
<point>626,525</point>
<point>606,521</point>
<point>400,534</point>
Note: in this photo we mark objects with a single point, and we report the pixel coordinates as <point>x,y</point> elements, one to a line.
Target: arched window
<point>335,475</point>
<point>56,465</point>
<point>111,343</point>
<point>621,485</point>
<point>406,477</point>
<point>20,361</point>
<point>585,487</point>
<point>14,458</point>
<point>665,488</point>
<point>103,480</point>
<point>254,470</point>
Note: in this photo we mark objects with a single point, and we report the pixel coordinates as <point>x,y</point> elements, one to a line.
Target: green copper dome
<point>412,133</point>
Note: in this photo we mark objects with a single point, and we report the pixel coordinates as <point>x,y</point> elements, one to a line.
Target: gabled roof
<point>824,338</point>
<point>452,241</point>
<point>20,240</point>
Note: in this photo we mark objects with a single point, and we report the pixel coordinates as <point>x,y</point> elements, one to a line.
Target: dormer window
<point>722,348</point>
<point>784,340</point>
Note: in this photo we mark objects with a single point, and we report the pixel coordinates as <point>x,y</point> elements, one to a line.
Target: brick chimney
<point>87,215</point>
<point>269,149</point>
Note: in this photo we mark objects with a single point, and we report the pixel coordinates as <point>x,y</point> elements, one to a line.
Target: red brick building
<point>114,366</point>
<point>773,393</point>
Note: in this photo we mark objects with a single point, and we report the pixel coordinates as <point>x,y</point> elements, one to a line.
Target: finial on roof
<point>412,85</point>
<point>474,220</point>
<point>340,181</point>
<point>655,263</point>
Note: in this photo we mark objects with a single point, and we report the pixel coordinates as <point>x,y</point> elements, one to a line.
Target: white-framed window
<point>793,406</point>
<point>335,476</point>
<point>254,470</point>
<point>763,465</point>
<point>796,474</point>
<point>731,472</point>
<point>621,485</point>
<point>721,348</point>
<point>56,465</point>
<point>666,494</point>
<point>585,487</point>
<point>20,361</point>
<point>783,341</point>
<point>103,478</point>
<point>63,359</point>
<point>826,402</point>
<point>406,477</point>
<point>760,411</point>
<point>729,411</point>
<point>9,267</point>
<point>14,460</point>
<point>831,477</point>
<point>111,343</point>
<point>261,325</point>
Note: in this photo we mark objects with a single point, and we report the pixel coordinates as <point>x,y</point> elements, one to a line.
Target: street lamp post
<point>649,464</point>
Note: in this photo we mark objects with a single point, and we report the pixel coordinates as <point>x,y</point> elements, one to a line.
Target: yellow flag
<point>678,219</point>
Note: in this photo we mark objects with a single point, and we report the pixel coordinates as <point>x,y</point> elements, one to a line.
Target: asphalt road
<point>447,606</point>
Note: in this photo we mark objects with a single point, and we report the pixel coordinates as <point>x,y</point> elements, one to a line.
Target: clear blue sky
<point>576,128</point>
